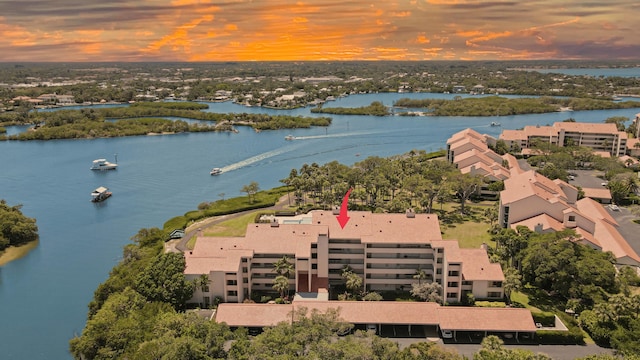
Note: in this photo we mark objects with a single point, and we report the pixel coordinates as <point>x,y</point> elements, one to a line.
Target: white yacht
<point>289,137</point>
<point>216,171</point>
<point>103,164</point>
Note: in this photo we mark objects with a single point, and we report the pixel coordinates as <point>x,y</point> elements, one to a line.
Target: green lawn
<point>471,230</point>
<point>523,299</point>
<point>469,234</point>
<point>232,227</point>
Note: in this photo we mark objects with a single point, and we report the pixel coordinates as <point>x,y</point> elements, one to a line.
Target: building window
<point>453,284</point>
<point>314,266</point>
<point>440,251</point>
<point>439,261</point>
<point>314,255</point>
<point>454,273</point>
<point>205,288</point>
<point>494,294</point>
<point>232,293</point>
<point>207,301</point>
<point>467,283</point>
<point>232,282</point>
<point>572,218</point>
<point>245,280</point>
<point>452,295</point>
<point>438,271</point>
<point>496,284</point>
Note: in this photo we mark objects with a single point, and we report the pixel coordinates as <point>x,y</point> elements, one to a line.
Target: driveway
<point>180,245</point>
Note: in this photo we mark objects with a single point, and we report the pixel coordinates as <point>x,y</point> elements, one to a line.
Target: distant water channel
<point>44,295</point>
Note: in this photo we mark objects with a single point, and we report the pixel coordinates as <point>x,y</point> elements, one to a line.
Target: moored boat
<point>216,171</point>
<point>493,123</point>
<point>103,164</point>
<point>100,194</point>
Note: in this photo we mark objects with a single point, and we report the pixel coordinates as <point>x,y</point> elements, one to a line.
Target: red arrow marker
<point>343,218</point>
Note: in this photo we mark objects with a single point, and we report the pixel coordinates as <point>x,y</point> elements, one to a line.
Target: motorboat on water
<point>289,137</point>
<point>216,171</point>
<point>493,123</point>
<point>103,164</point>
<point>100,194</point>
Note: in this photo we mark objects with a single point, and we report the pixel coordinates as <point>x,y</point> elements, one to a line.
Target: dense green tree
<point>618,120</point>
<point>492,348</point>
<point>15,228</point>
<point>512,282</point>
<point>464,186</point>
<point>429,292</point>
<point>118,325</point>
<point>164,280</point>
<point>427,351</point>
<point>557,263</point>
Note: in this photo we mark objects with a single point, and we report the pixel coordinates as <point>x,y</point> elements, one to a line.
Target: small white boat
<point>103,164</point>
<point>493,123</point>
<point>216,171</point>
<point>289,137</point>
<point>100,194</point>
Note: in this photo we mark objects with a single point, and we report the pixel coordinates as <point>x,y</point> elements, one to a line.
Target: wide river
<point>44,295</point>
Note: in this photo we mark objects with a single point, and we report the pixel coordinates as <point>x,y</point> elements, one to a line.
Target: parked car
<point>447,334</point>
<point>614,207</point>
<point>372,327</point>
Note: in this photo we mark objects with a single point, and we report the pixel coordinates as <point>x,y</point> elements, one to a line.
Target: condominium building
<point>545,205</point>
<point>603,138</point>
<point>386,250</point>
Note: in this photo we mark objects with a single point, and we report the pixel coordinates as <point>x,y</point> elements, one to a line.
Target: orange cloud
<point>421,39</point>
<point>401,14</point>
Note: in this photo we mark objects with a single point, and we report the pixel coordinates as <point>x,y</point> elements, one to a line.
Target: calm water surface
<point>44,295</point>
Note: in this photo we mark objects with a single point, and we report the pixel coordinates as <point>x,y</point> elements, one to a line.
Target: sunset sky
<point>247,30</point>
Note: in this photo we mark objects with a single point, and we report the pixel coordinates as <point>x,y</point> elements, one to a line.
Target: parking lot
<point>627,228</point>
<point>587,178</point>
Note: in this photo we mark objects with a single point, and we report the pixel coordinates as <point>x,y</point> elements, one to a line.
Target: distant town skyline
<point>266,30</point>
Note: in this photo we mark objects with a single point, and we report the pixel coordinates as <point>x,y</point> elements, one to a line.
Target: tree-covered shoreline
<point>501,106</point>
<point>144,119</point>
<point>15,228</point>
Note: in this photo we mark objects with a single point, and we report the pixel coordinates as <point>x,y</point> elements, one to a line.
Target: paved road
<point>180,245</point>
<point>556,352</point>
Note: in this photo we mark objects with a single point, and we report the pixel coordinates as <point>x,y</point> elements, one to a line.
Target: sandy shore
<point>16,252</point>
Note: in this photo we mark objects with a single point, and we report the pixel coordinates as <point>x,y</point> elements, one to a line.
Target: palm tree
<point>283,267</point>
<point>353,282</point>
<point>202,283</point>
<point>420,275</point>
<point>281,285</point>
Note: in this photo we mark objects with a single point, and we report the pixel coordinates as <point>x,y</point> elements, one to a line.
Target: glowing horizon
<point>280,30</point>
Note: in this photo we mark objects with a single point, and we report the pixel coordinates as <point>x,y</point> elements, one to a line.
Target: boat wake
<point>257,158</point>
<point>356,133</point>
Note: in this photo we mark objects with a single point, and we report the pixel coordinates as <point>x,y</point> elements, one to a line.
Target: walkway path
<point>180,245</point>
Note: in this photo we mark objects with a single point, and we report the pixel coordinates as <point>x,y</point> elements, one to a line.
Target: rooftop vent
<point>274,222</point>
<point>410,213</point>
<point>336,210</point>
